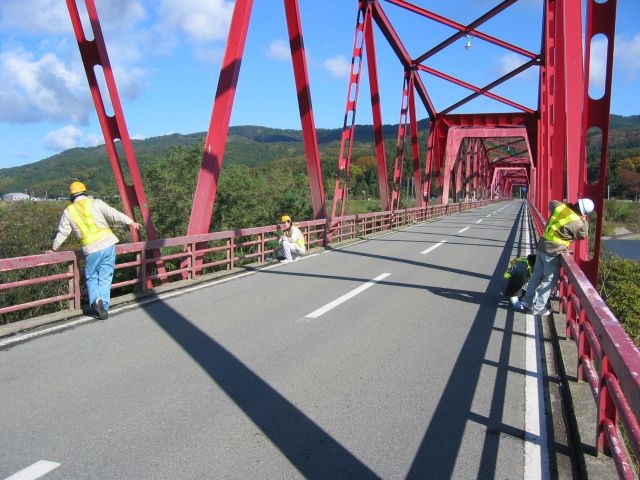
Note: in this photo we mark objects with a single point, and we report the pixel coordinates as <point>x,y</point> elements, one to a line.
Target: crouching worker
<point>516,277</point>
<point>88,218</point>
<point>291,241</point>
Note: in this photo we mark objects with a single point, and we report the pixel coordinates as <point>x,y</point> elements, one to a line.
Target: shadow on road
<point>313,452</point>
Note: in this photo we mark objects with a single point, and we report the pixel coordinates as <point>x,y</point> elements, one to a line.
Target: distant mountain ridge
<point>248,144</point>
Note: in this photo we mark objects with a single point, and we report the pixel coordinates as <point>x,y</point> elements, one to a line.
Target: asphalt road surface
<point>391,358</point>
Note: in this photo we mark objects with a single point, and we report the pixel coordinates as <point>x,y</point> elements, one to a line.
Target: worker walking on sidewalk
<point>566,224</point>
<point>88,218</point>
<point>291,242</point>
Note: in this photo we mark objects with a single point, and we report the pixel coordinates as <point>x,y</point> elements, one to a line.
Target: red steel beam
<point>481,91</point>
<point>571,52</point>
<point>463,28</point>
<point>114,127</point>
<point>374,88</point>
<point>400,142</point>
<point>455,140</point>
<point>348,129</point>
<point>484,90</point>
<point>213,155</point>
<point>600,21</point>
<point>401,52</point>
<point>467,30</point>
<point>415,145</point>
<point>309,134</point>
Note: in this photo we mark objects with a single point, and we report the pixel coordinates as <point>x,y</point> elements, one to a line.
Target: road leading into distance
<point>391,358</point>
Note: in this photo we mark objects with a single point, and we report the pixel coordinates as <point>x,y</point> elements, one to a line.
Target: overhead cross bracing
<point>470,95</point>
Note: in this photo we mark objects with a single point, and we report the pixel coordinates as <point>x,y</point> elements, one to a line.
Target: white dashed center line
<point>346,296</point>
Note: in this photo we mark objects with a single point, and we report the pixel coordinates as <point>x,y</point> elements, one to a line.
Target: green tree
<point>169,186</point>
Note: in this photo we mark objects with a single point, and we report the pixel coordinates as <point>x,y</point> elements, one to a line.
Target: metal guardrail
<point>607,359</point>
<point>214,252</point>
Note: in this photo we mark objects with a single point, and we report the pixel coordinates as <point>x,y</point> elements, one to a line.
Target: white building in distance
<point>14,197</point>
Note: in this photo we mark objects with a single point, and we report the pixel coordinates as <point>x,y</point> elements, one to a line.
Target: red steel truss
<point>94,54</point>
<point>466,155</point>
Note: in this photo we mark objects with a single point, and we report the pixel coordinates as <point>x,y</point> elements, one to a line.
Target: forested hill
<point>247,145</point>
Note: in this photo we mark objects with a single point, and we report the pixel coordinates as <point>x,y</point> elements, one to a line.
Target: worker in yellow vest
<point>88,218</point>
<point>291,242</point>
<point>566,224</point>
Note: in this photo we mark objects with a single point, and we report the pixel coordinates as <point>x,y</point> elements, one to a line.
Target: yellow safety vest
<point>512,265</point>
<point>299,241</point>
<point>80,212</point>
<point>562,215</point>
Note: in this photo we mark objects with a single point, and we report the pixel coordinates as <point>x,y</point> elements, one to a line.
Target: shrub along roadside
<point>619,287</point>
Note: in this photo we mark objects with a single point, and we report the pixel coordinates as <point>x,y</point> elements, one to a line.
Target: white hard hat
<point>586,206</point>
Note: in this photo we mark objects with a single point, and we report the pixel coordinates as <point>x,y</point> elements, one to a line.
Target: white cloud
<point>92,140</point>
<point>33,89</point>
<point>627,53</point>
<point>70,137</point>
<point>597,64</point>
<point>201,21</point>
<point>338,66</point>
<point>508,62</point>
<point>35,17</point>
<point>279,50</point>
<point>63,139</point>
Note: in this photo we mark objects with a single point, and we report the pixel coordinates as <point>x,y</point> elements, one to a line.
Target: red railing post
<point>606,407</point>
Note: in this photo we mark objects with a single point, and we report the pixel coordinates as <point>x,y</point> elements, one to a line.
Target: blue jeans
<point>98,270</point>
<point>543,280</point>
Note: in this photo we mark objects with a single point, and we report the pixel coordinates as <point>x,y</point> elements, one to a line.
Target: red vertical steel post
<point>545,99</point>
<point>213,155</point>
<point>467,146</point>
<point>432,153</point>
<point>94,53</point>
<point>348,129</point>
<point>309,135</point>
<point>381,156</point>
<point>458,170</point>
<point>468,174</point>
<point>482,168</point>
<point>415,145</point>
<point>450,155</point>
<point>476,168</point>
<point>440,129</point>
<point>600,21</point>
<point>570,50</point>
<point>558,113</point>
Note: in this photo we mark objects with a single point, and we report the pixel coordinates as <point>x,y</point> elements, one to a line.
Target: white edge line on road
<point>433,247</point>
<point>535,444</point>
<point>22,337</point>
<point>479,220</point>
<point>464,229</point>
<point>37,470</point>
<point>346,296</point>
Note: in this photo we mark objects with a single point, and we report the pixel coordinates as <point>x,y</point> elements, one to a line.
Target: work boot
<point>99,307</point>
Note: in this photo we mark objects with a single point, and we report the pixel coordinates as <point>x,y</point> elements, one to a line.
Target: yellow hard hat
<point>285,218</point>
<point>76,188</point>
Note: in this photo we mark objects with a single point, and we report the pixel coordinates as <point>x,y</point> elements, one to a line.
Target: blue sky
<point>166,57</point>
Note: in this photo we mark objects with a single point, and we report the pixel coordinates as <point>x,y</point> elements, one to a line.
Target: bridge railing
<point>185,258</point>
<point>607,359</point>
